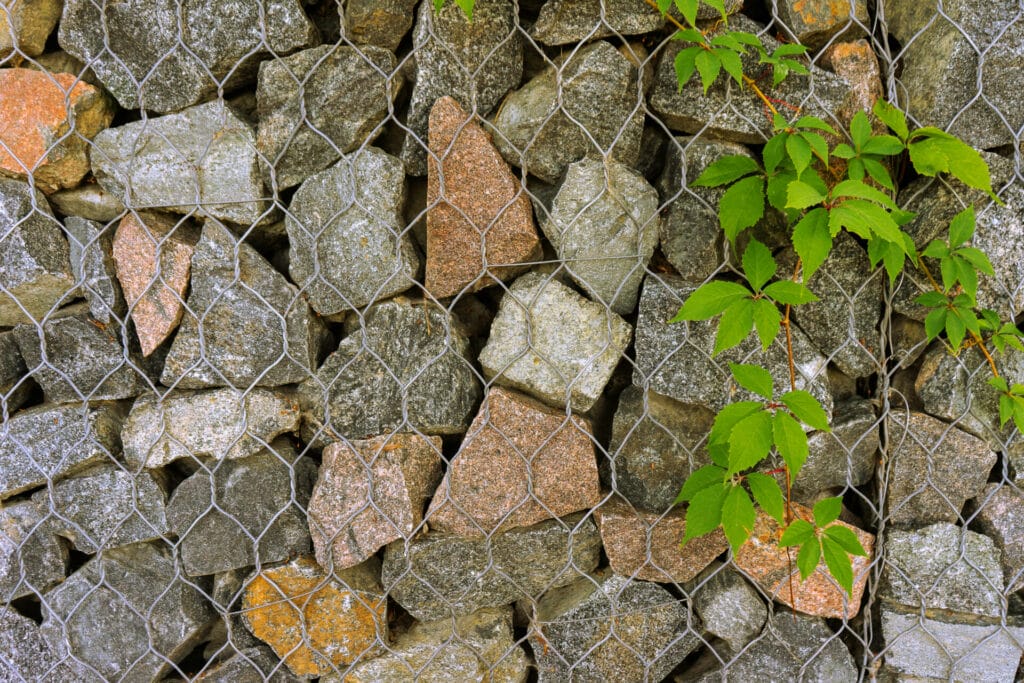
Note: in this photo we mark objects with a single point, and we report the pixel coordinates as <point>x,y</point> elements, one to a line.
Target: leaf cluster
<point>824,537</point>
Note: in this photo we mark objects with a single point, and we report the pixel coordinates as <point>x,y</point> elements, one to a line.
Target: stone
<point>218,423</point>
<point>476,647</point>
<point>676,359</point>
<point>857,62</point>
<point>315,621</point>
<point>999,513</point>
<point>370,493</point>
<point>25,26</point>
<point>35,265</point>
<point>321,103</point>
<point>552,343</point>
<point>32,560</point>
<point>255,516</point>
<point>46,123</point>
<point>727,605</point>
<point>201,161</point>
<point>107,507</point>
<point>656,444</point>
<point>604,225</point>
<point>967,48</point>
<point>226,598</point>
<point>15,386</point>
<point>377,22</point>
<point>88,201</point>
<point>773,569</point>
<point>251,665</point>
<point>347,237</point>
<point>649,546</point>
<point>934,469</point>
<point>585,104</point>
<point>478,213</point>
<point>127,614</point>
<point>561,22</point>
<point>844,457</point>
<point>440,576</point>
<point>92,264</point>
<point>407,368</point>
<point>817,23</point>
<point>235,310</point>
<point>520,463</point>
<point>153,254</point>
<point>727,112</point>
<point>48,442</point>
<point>23,650</point>
<point>609,628</point>
<point>163,55</point>
<point>476,62</point>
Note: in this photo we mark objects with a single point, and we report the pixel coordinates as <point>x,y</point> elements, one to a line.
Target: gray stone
<point>92,263</point>
<point>226,598</point>
<point>252,328</point>
<point>603,225</point>
<point>106,508</point>
<point>845,456</point>
<point>476,62</point>
<point>14,383</point>
<point>407,368</point>
<point>729,607</point>
<point>48,442</point>
<point>24,653</point>
<point>550,342</point>
<point>32,560</point>
<point>251,665</point>
<point>968,47</point>
<point>377,22</point>
<point>255,516</point>
<point>675,359</point>
<point>127,614</point>
<point>935,468</point>
<point>608,628</point>
<point>321,103</point>
<point>438,576</point>
<point>817,23</point>
<point>592,107</point>
<point>220,424</point>
<point>347,237</point>
<point>88,201</point>
<point>164,55</point>
<point>656,443</point>
<point>569,21</point>
<point>35,266</point>
<point>999,513</point>
<point>201,161</point>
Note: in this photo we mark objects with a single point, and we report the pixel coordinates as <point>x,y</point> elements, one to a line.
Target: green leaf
<point>933,151</point>
<point>799,152</point>
<point>711,299</point>
<point>738,516</point>
<point>688,8</point>
<point>935,322</point>
<point>789,292</point>
<point>878,173</point>
<point>758,264</point>
<point>855,168</point>
<point>438,4</point>
<point>892,117</point>
<point>778,187</point>
<point>961,228</point>
<point>966,274</point>
<point>846,539</point>
<point>727,418</point>
<point>883,145</point>
<point>663,5</point>
<point>807,409</point>
<point>774,152</point>
<point>932,299</point>
<point>718,5</point>
<point>816,123</point>
<point>708,64</point>
<point>768,495</point>
<point>976,258</point>
<point>948,269</point>
<point>892,254</point>
<point>955,330</point>
<point>467,7</point>
<point>709,475</point>
<point>798,532</point>
<point>818,145</point>
<point>726,170</point>
<point>800,195</point>
<point>812,240</point>
<point>685,64</point>
<point>734,326</point>
<point>731,63</point>
<point>690,35</point>
<point>838,563</point>
<point>864,218</point>
<point>843,151</point>
<point>791,441</point>
<point>767,320</point>
<point>742,206</point>
<point>808,557</point>
<point>750,441</point>
<point>827,510</point>
<point>936,249</point>
<point>753,378</point>
<point>789,49</point>
<point>704,513</point>
<point>860,130</point>
<point>856,188</point>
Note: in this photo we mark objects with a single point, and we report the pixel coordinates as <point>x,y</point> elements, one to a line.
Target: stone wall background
<point>333,346</point>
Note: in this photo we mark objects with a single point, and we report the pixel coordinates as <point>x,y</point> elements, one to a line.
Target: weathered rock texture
<point>32,560</point>
<point>91,248</point>
<point>25,25</point>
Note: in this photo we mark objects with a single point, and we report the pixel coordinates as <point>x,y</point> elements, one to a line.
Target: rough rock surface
<point>520,463</point>
<point>567,21</point>
<point>377,22</point>
<point>845,456</point>
<point>857,63</point>
<point>369,493</point>
<point>14,384</point>
<point>89,201</point>
<point>1000,515</point>
<point>550,342</point>
<point>23,650</point>
<point>727,605</point>
<point>32,560</point>
<point>92,263</point>
<point>816,23</point>
<point>250,665</point>
<point>25,25</point>
<point>348,244</point>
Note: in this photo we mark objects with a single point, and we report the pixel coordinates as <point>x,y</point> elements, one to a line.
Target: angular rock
<point>153,253</point>
<point>251,665</point>
<point>816,23</point>
<point>201,161</point>
<point>846,456</point>
<point>369,493</point>
<point>23,650</point>
<point>219,424</point>
<point>772,568</point>
<point>35,266</point>
<point>407,367</point>
<point>728,606</point>
<point>14,383</point>
<point>46,123</point>
<point>92,263</point>
<point>252,328</point>
<point>604,226</point>
<point>1000,515</point>
<point>348,243</point>
<point>316,621</point>
<point>592,108</point>
<point>438,576</point>
<point>474,61</point>
<point>32,560</point>
<point>164,55</point>
<point>321,103</point>
<point>550,342</point>
<point>648,546</point>
<point>25,26</point>
<point>857,62</point>
<point>89,201</point>
<point>935,468</point>
<point>478,213</point>
<point>676,359</point>
<point>226,597</point>
<point>127,614</point>
<point>106,508</point>
<point>377,22</point>
<point>567,21</point>
<point>255,515</point>
<point>48,442</point>
<point>520,463</point>
<point>610,628</point>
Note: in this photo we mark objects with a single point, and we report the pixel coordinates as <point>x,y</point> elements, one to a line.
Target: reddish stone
<point>774,570</point>
<point>155,294</point>
<point>858,64</point>
<point>521,463</point>
<point>482,203</point>
<point>814,22</point>
<point>46,123</point>
<point>369,494</point>
<point>648,545</point>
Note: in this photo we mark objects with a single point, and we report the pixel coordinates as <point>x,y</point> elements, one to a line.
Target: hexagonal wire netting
<point>268,415</point>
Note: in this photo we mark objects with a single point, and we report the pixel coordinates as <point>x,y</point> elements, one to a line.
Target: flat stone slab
<point>728,606</point>
<point>92,263</point>
<point>561,22</point>
<point>32,560</point>
<point>88,201</point>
